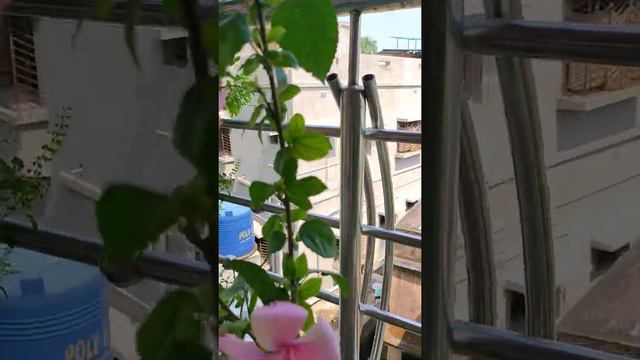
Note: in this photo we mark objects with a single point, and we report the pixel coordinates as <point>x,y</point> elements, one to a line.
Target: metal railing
<point>449,35</point>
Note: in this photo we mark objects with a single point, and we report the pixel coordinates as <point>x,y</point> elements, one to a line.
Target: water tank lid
<point>227,209</point>
<point>47,281</point>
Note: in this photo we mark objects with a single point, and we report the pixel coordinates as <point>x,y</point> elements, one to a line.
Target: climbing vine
<point>22,185</point>
<point>301,34</point>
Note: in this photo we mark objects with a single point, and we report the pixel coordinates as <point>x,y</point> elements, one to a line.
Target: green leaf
<point>311,145</point>
<point>281,59</point>
<point>298,192</point>
<point>309,288</point>
<point>295,127</point>
<point>298,214</point>
<point>195,130</point>
<point>299,199</point>
<point>32,221</point>
<point>289,93</point>
<point>193,200</point>
<point>6,171</point>
<point>302,268</point>
<point>173,319</point>
<point>260,192</point>
<point>204,295</point>
<point>250,65</point>
<point>184,350</point>
<point>238,285</point>
<point>319,238</point>
<point>254,116</point>
<point>258,280</point>
<point>340,280</point>
<point>309,185</point>
<point>17,164</point>
<point>311,33</point>
<point>288,266</point>
<point>275,34</point>
<point>274,223</point>
<point>310,320</point>
<point>276,241</point>
<point>130,217</point>
<point>209,36</point>
<point>273,3</point>
<point>132,16</point>
<point>233,34</point>
<point>252,302</point>
<point>104,7</point>
<point>238,328</point>
<point>286,165</point>
<point>174,9</point>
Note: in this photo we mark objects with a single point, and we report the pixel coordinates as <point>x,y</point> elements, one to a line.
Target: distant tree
<point>368,45</point>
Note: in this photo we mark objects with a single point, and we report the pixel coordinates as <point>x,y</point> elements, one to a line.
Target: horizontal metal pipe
<point>386,234</point>
<point>390,135</point>
<point>158,266</point>
<point>277,209</point>
<point>553,40</point>
<point>153,14</point>
<point>393,319</point>
<point>468,338</point>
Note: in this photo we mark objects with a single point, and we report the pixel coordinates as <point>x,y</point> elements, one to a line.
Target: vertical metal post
<point>275,262</point>
<point>351,175</point>
<point>443,67</point>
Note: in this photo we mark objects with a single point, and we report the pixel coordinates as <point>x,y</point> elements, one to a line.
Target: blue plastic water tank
<point>54,309</point>
<point>235,230</point>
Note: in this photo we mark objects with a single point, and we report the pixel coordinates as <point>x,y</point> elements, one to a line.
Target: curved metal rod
<point>369,199</point>
<point>525,138</point>
<point>373,100</point>
<point>476,227</point>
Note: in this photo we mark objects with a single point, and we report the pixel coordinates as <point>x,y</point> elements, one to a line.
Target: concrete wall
<point>117,109</point>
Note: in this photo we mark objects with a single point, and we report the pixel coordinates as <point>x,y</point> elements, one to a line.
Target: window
<point>602,260</point>
<point>409,125</point>
<point>21,51</point>
<point>381,220</point>
<point>516,310</point>
<point>274,139</point>
<point>224,147</point>
<point>175,52</point>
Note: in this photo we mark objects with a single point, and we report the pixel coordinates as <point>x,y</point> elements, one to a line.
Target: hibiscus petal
<point>237,349</point>
<point>278,324</point>
<point>319,343</point>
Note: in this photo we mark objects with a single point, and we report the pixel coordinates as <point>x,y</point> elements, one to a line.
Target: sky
<point>381,26</point>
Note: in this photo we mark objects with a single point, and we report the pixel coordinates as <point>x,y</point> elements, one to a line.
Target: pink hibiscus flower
<point>276,328</point>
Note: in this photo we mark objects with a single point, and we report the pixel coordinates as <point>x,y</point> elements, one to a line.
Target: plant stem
<point>278,120</point>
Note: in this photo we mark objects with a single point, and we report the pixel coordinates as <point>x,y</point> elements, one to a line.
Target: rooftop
<point>609,311</point>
